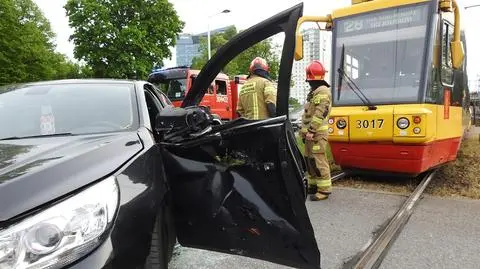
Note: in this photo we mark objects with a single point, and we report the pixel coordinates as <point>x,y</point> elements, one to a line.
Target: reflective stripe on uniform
<point>311,180</point>
<point>317,120</point>
<point>255,106</point>
<point>324,183</point>
<point>319,97</point>
<point>316,147</point>
<point>321,128</point>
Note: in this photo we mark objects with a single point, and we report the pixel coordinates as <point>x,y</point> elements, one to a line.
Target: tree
<point>240,64</point>
<point>26,43</point>
<point>293,102</point>
<point>27,51</point>
<point>123,38</point>
<point>68,69</point>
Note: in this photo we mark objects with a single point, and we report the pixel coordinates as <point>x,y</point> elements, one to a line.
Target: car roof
<point>74,81</point>
<point>14,86</point>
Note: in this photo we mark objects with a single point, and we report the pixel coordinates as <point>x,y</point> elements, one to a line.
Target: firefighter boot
<point>325,190</point>
<point>318,196</point>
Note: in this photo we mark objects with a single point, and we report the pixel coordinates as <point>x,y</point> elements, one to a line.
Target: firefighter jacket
<point>317,112</point>
<point>254,96</point>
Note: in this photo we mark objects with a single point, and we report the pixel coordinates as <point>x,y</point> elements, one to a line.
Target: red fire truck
<point>221,96</point>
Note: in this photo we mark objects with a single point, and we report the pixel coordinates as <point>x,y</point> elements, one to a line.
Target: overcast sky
<point>246,13</point>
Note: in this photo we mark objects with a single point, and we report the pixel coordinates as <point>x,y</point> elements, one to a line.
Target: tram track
<point>373,255</point>
<point>338,176</point>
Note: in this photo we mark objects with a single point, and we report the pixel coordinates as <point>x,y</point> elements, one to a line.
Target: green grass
<point>460,178</point>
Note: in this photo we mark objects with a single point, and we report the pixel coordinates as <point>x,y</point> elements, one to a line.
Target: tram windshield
<point>383,55</point>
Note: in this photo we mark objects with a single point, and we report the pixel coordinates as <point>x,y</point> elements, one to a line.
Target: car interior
<point>153,106</point>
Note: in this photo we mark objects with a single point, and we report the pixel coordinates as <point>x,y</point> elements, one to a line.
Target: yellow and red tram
<point>400,88</point>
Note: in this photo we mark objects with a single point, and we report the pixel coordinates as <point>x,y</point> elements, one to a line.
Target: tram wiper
<point>349,81</point>
<point>357,91</point>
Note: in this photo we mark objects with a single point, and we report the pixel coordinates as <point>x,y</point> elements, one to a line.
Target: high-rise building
<point>188,46</point>
<point>474,83</point>
<point>316,46</point>
<point>186,49</point>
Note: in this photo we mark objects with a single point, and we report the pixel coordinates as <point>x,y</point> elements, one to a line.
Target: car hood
<point>36,171</point>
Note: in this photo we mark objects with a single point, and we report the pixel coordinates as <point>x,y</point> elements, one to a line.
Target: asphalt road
<point>441,233</point>
<point>344,224</point>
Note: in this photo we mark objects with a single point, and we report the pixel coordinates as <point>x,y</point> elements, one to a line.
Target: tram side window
<point>447,70</point>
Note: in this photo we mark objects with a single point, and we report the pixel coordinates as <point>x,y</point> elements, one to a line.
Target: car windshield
<point>383,55</point>
<point>37,110</point>
<point>175,88</point>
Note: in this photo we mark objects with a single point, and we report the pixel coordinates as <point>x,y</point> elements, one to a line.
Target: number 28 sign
<point>350,26</point>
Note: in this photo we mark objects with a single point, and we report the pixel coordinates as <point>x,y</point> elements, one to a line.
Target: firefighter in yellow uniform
<point>315,132</point>
<point>258,97</point>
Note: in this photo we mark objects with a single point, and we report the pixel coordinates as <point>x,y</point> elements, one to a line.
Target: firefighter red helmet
<point>315,71</point>
<point>259,63</point>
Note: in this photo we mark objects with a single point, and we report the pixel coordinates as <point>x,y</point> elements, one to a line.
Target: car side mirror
<point>168,119</point>
<point>175,123</point>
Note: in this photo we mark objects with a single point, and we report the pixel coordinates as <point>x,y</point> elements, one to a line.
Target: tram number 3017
<point>370,124</point>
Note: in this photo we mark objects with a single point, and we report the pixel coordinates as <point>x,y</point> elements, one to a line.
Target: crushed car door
<point>239,187</point>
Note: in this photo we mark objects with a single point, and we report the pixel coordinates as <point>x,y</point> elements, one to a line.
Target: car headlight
<point>62,233</point>
<point>403,123</point>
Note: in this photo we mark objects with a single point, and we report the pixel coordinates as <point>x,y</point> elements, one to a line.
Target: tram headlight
<point>403,123</point>
<point>341,124</point>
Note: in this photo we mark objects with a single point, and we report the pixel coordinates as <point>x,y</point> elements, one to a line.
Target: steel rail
<point>338,176</point>
<point>373,256</point>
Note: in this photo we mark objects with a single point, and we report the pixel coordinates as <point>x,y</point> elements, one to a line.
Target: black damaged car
<point>107,174</point>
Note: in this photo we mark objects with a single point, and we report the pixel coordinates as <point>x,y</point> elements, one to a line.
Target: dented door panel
<point>240,192</point>
<point>238,188</point>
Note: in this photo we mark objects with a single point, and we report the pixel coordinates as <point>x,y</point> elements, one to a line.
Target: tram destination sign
<point>383,20</point>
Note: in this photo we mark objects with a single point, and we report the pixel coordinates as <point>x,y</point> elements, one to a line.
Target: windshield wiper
<point>349,81</point>
<point>357,91</point>
<point>35,136</point>
<point>340,76</point>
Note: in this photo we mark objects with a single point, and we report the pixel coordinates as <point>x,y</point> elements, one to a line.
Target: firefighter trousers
<point>318,169</point>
